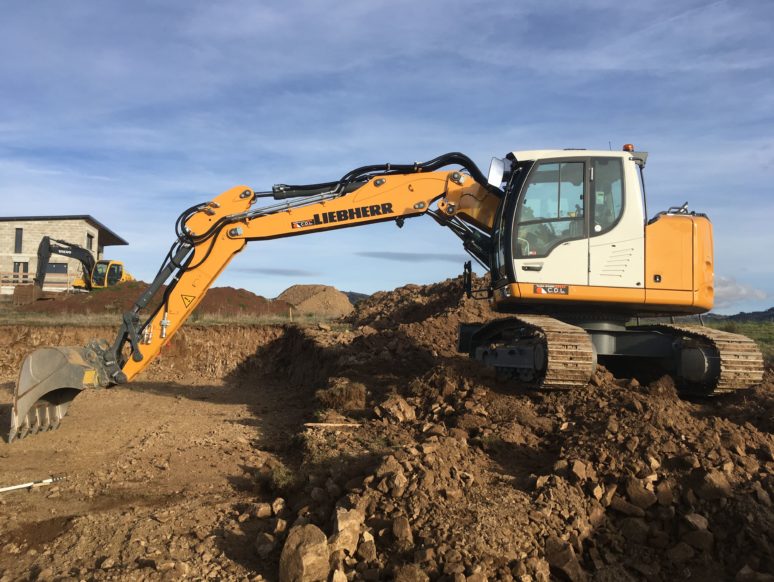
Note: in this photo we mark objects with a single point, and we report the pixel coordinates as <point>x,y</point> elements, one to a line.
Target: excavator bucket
<point>49,380</point>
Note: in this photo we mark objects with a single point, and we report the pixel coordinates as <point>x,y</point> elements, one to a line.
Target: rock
<point>747,574</point>
<point>638,494</point>
<point>265,544</point>
<point>561,556</point>
<point>349,519</point>
<point>396,408</point>
<point>607,498</point>
<point>700,539</point>
<point>278,505</point>
<point>635,530</point>
<point>182,568</point>
<point>664,493</point>
<point>339,576</point>
<point>696,521</point>
<point>305,555</point>
<point>346,527</point>
<point>317,494</point>
<point>165,566</point>
<point>761,494</point>
<point>261,510</point>
<point>401,529</point>
<point>410,573</point>
<point>477,577</point>
<point>623,506</point>
<point>398,483</point>
<point>107,563</point>
<point>578,470</point>
<point>680,553</point>
<point>710,485</point>
<point>366,551</point>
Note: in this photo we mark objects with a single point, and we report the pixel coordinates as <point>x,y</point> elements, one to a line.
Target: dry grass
<point>343,395</point>
<point>9,316</point>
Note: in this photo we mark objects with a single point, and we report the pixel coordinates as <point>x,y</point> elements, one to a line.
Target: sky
<point>134,111</point>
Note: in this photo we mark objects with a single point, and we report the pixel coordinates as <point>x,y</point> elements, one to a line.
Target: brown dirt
<point>320,300</point>
<point>223,301</point>
<point>456,474</point>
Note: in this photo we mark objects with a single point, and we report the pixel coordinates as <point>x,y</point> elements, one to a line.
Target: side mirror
<point>497,169</point>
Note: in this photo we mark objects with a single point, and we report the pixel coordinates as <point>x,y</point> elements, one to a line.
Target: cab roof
<point>525,155</point>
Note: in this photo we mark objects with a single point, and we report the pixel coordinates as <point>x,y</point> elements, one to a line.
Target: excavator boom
<point>212,233</point>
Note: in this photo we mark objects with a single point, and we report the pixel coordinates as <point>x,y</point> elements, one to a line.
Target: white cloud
<point>730,293</point>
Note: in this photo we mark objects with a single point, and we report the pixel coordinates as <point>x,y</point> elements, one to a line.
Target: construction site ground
<point>370,450</point>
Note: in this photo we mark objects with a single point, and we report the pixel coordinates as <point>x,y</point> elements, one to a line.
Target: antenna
<point>610,145</point>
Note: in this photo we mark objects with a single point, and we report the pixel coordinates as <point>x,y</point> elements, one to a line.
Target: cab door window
<point>607,201</point>
<point>114,274</point>
<point>551,209</point>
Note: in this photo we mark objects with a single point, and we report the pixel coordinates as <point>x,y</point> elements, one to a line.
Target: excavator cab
<point>107,274</point>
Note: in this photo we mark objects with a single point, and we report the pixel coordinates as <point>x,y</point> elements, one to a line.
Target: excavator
<point>96,275</point>
<point>574,263</point>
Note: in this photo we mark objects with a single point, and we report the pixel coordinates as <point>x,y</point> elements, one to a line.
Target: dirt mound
<point>320,300</point>
<point>378,453</point>
<point>224,301</point>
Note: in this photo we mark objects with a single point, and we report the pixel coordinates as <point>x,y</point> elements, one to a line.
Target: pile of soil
<point>223,301</point>
<point>378,453</point>
<point>319,300</point>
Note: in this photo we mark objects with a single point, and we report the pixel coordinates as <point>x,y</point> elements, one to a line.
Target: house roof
<point>106,236</point>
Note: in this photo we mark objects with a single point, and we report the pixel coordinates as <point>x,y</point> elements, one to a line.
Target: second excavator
<point>573,260</point>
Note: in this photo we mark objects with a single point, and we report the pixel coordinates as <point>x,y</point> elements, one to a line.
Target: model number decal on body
<point>345,215</point>
<point>552,289</point>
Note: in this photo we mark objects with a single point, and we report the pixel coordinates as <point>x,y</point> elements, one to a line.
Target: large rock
<point>638,494</point>
<point>561,556</point>
<point>710,484</point>
<point>401,529</point>
<point>346,528</point>
<point>410,573</point>
<point>396,409</point>
<point>305,555</point>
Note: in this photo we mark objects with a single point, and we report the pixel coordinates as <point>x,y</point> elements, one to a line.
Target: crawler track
<point>569,351</point>
<point>741,361</point>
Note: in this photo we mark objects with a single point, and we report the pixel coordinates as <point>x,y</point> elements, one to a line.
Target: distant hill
<point>758,316</point>
<point>355,298</point>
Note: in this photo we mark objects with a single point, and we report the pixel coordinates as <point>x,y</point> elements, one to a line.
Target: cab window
<point>607,201</point>
<point>550,210</point>
<point>114,274</point>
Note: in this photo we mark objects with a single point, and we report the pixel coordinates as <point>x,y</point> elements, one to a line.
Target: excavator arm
<point>50,246</point>
<point>209,235</point>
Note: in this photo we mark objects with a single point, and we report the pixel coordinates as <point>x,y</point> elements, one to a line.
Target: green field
<point>761,332</point>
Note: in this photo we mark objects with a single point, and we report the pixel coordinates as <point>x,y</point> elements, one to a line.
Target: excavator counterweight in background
<point>563,234</point>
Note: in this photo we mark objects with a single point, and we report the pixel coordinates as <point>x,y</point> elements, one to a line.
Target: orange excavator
<point>574,262</point>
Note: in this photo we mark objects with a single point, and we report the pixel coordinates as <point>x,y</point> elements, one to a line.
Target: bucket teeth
<point>43,417</point>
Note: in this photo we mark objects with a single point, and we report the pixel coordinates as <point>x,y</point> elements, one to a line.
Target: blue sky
<point>133,111</point>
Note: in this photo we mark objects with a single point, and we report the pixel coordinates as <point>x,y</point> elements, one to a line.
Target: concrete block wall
<point>73,231</point>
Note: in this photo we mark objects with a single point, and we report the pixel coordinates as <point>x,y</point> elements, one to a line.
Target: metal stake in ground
<point>34,484</point>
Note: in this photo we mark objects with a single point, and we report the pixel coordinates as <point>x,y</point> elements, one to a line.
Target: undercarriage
<point>564,353</point>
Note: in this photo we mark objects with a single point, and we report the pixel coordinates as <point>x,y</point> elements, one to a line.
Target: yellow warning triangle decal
<point>187,299</point>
